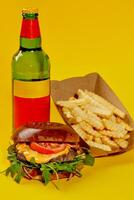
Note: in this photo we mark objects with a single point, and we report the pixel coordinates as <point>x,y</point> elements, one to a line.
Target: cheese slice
<point>39,158</point>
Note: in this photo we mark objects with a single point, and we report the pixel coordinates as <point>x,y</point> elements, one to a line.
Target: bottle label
<point>31,89</point>
<point>31,102</point>
<point>30,28</point>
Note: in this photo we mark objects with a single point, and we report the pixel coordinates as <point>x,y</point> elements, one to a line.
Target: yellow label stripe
<point>31,89</point>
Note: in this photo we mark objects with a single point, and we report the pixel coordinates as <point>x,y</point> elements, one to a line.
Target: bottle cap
<point>29,11</point>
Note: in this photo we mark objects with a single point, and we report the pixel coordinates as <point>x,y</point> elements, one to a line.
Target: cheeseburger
<point>45,152</point>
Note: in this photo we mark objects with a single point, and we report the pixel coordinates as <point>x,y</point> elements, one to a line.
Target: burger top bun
<point>45,132</point>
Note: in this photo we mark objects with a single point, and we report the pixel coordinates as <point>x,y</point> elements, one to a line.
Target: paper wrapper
<point>62,90</point>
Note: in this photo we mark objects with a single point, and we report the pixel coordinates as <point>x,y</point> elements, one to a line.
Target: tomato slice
<point>57,147</point>
<point>40,148</point>
<point>47,148</point>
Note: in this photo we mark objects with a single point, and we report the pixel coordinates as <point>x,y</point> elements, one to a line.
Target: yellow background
<point>80,37</point>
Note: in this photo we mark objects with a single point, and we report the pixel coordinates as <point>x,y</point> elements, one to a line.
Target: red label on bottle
<point>31,110</point>
<point>30,28</point>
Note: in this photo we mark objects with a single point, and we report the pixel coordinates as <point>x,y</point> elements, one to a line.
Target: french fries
<point>107,104</point>
<point>122,143</point>
<point>98,110</point>
<point>98,122</point>
<point>118,128</point>
<point>85,137</point>
<point>89,129</point>
<point>106,140</point>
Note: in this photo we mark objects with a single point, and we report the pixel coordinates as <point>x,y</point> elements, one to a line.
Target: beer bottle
<point>30,74</point>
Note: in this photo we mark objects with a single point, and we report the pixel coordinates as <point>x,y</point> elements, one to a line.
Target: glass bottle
<point>30,74</point>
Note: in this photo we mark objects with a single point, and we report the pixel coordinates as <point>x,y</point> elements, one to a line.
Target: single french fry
<point>114,127</point>
<point>67,112</point>
<point>98,111</point>
<point>98,140</point>
<point>71,98</point>
<point>90,137</point>
<point>72,103</point>
<point>69,116</point>
<point>106,140</point>
<point>122,143</point>
<point>67,104</point>
<point>126,137</point>
<point>112,134</point>
<point>88,128</point>
<point>113,118</point>
<point>119,113</point>
<point>104,102</point>
<point>85,137</point>
<point>126,126</point>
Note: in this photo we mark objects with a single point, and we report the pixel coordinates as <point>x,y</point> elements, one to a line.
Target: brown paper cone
<point>62,90</point>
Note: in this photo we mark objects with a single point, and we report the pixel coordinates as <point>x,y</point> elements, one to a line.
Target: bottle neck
<point>30,33</point>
